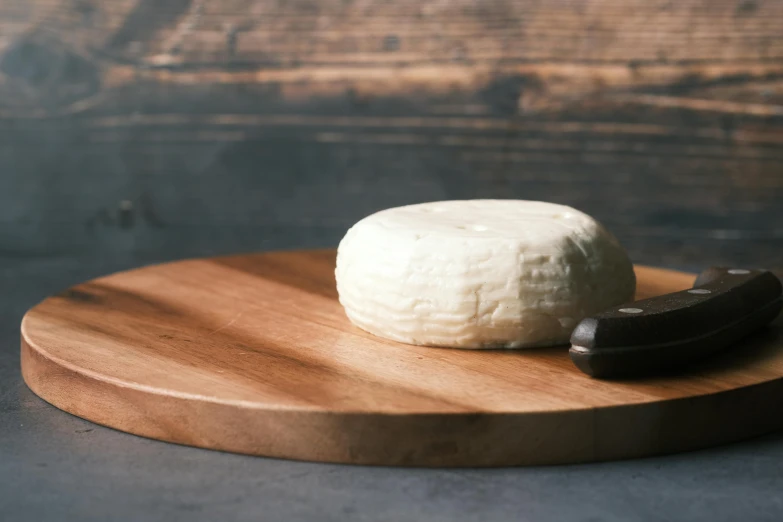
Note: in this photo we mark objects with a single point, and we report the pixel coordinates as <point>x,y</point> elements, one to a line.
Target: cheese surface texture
<point>480,273</point>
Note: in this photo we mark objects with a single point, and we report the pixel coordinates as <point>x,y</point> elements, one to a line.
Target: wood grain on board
<point>663,119</point>
<point>253,354</point>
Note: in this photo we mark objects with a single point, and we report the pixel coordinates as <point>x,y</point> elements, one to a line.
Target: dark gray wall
<point>139,130</point>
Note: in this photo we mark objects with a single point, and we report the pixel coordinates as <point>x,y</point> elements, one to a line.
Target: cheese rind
<point>480,273</point>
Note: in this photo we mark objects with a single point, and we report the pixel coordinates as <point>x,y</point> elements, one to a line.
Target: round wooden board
<point>253,354</point>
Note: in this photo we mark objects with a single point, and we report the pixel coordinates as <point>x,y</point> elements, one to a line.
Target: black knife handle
<point>675,329</point>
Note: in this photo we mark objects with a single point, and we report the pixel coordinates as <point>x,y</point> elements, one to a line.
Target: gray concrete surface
<point>56,467</point>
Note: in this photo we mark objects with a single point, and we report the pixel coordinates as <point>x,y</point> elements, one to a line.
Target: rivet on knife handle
<point>662,333</point>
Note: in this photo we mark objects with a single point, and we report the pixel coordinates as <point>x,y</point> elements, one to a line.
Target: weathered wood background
<point>151,128</point>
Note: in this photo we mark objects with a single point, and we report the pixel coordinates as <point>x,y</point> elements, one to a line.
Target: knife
<point>669,331</point>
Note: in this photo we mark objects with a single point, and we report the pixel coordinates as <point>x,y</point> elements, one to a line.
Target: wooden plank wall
<point>151,128</point>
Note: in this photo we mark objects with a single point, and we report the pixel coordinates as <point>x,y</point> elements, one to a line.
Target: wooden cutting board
<point>253,354</point>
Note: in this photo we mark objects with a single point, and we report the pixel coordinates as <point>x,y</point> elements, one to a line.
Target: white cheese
<point>480,273</point>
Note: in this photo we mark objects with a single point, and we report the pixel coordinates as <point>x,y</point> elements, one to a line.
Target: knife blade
<point>669,331</point>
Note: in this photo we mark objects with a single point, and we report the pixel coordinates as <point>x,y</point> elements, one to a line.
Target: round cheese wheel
<point>480,273</point>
